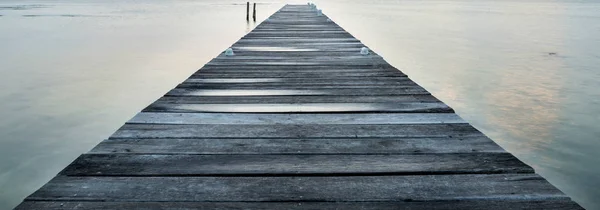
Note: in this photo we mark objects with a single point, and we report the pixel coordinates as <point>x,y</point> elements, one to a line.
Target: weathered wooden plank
<point>274,37</point>
<point>307,71</point>
<point>301,44</point>
<point>294,119</point>
<point>292,40</point>
<point>272,25</point>
<point>354,57</point>
<point>439,205</point>
<point>307,67</point>
<point>280,32</point>
<point>320,49</point>
<point>435,107</point>
<point>292,75</point>
<point>303,92</point>
<point>236,87</point>
<point>260,83</point>
<point>349,188</point>
<point>270,74</point>
<point>294,52</point>
<point>338,72</point>
<point>372,60</point>
<point>299,146</point>
<point>294,99</point>
<point>297,165</point>
<point>302,81</point>
<point>316,50</point>
<point>276,28</point>
<point>293,131</point>
<point>292,62</point>
<point>314,35</point>
<point>281,43</point>
<point>293,23</point>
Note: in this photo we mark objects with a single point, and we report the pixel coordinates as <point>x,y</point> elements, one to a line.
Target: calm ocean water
<point>523,72</point>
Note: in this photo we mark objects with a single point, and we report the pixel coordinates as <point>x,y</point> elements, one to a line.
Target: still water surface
<point>524,72</point>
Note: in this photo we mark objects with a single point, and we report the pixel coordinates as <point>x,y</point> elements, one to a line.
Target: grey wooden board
<point>307,67</point>
<point>253,32</point>
<point>275,28</point>
<point>268,165</point>
<point>298,48</point>
<point>304,23</point>
<point>292,40</point>
<point>290,35</point>
<point>294,119</point>
<point>439,205</point>
<point>304,108</point>
<point>289,75</point>
<point>307,81</point>
<point>291,62</point>
<point>297,26</point>
<point>355,56</point>
<point>296,40</point>
<point>293,99</point>
<point>344,188</point>
<point>245,69</point>
<point>294,52</point>
<point>318,49</point>
<point>374,78</point>
<point>304,45</point>
<point>302,92</point>
<point>287,86</point>
<point>301,85</point>
<point>293,131</point>
<point>299,146</point>
<point>275,74</point>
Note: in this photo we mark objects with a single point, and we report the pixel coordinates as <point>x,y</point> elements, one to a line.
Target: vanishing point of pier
<point>298,118</point>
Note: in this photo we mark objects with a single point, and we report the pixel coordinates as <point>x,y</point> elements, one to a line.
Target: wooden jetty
<point>298,118</point>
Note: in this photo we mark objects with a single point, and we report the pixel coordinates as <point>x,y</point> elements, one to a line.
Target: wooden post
<point>254,13</point>
<point>247,11</point>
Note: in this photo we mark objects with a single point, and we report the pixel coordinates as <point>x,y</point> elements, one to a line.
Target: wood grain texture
<point>294,131</point>
<point>298,145</point>
<point>272,189</point>
<point>304,107</point>
<point>302,92</point>
<point>438,205</point>
<point>293,99</point>
<point>297,165</point>
<point>294,119</point>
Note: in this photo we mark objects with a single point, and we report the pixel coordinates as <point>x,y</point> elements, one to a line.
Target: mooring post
<point>254,13</point>
<point>247,11</point>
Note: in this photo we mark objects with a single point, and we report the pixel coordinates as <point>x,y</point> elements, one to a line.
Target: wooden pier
<point>298,118</point>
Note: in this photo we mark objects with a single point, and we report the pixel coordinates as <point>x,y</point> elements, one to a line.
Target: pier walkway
<point>298,118</point>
